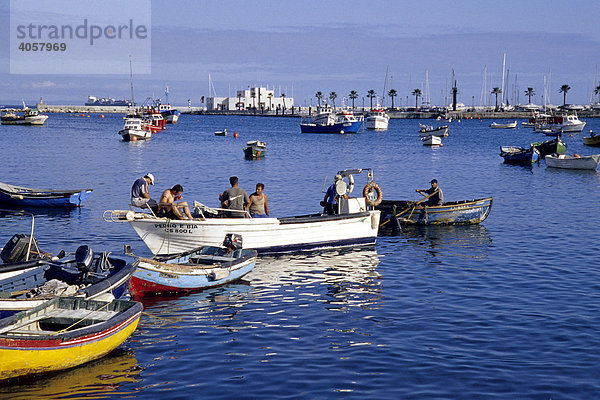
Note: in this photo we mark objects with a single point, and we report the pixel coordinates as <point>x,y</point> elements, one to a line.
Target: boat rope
<point>81,320</point>
<point>172,320</point>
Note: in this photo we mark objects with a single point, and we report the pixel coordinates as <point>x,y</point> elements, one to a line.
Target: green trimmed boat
<point>553,146</point>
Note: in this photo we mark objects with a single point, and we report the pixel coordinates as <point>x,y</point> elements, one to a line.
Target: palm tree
<point>283,96</point>
<point>529,92</point>
<point>392,93</point>
<point>496,91</point>
<point>333,96</point>
<point>597,91</point>
<point>319,96</point>
<point>253,95</point>
<point>270,96</point>
<point>417,93</point>
<point>370,95</point>
<point>354,95</point>
<point>564,89</point>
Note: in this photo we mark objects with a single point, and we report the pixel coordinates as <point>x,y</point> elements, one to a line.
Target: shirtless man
<point>168,208</point>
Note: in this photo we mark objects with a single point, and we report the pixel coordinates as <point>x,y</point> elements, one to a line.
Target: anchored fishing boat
<point>553,146</point>
<point>519,155</point>
<point>83,273</point>
<point>377,120</point>
<point>27,116</point>
<point>573,162</point>
<point>255,149</point>
<point>135,129</point>
<point>344,122</point>
<point>429,130</point>
<point>355,223</point>
<point>63,333</point>
<point>29,197</point>
<point>396,213</point>
<point>195,270</point>
<point>508,125</point>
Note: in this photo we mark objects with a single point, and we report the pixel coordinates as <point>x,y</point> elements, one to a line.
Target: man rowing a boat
<point>435,192</point>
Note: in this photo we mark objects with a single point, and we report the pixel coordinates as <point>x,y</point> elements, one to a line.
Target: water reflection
<point>96,379</point>
<point>467,241</point>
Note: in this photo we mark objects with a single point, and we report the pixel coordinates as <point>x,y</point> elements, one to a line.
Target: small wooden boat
<point>255,149</point>
<point>194,270</point>
<point>83,273</point>
<point>63,333</point>
<point>441,131</point>
<point>30,197</point>
<point>431,141</point>
<point>552,146</point>
<point>592,140</point>
<point>508,125</point>
<point>395,213</point>
<point>221,133</point>
<point>519,155</point>
<point>573,162</point>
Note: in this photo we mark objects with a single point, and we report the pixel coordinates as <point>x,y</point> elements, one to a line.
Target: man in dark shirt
<point>437,198</point>
<point>234,198</point>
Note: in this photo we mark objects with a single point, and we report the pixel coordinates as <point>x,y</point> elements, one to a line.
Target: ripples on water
<point>507,309</point>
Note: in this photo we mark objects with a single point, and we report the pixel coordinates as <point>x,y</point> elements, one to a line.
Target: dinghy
<point>573,162</point>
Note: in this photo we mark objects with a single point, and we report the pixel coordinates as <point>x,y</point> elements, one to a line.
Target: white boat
<point>356,223</point>
<point>221,133</point>
<point>431,141</point>
<point>573,162</point>
<point>134,130</point>
<point>567,122</point>
<point>433,131</point>
<point>377,120</point>
<point>29,117</point>
<point>508,125</point>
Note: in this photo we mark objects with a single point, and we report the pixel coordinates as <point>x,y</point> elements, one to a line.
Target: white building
<point>259,97</point>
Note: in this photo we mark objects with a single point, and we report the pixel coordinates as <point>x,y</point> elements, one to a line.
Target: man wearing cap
<point>140,197</point>
<point>329,202</point>
<point>437,196</point>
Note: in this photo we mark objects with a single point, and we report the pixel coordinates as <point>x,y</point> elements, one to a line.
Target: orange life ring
<point>368,189</point>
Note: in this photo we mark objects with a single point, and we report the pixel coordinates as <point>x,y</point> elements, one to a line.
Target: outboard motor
<point>84,256</point>
<point>16,248</point>
<point>233,241</point>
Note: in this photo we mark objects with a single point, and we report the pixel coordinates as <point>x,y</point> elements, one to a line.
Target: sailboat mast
<point>503,71</point>
<point>385,86</point>
<point>131,81</point>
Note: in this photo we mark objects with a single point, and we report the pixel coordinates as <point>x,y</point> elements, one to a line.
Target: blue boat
<point>396,213</point>
<point>29,197</point>
<point>519,155</point>
<point>195,270</point>
<point>84,273</point>
<point>344,122</point>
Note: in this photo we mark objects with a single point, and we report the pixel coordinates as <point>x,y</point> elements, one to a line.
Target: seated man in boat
<point>437,196</point>
<point>258,205</point>
<point>169,209</point>
<point>234,198</point>
<point>140,196</point>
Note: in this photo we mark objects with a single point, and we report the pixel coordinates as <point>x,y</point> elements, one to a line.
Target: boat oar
<point>408,208</point>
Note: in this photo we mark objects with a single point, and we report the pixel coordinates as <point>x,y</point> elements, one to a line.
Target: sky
<point>301,47</point>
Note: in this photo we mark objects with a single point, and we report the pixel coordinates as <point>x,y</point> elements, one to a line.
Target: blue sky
<point>309,46</point>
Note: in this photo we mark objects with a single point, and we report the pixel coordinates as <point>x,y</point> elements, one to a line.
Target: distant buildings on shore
<point>258,98</point>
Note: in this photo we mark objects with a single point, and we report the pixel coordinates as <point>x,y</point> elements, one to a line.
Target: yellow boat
<point>63,333</point>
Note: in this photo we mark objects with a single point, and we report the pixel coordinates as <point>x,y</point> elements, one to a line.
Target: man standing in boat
<point>437,196</point>
<point>140,196</point>
<point>234,198</point>
<point>330,201</point>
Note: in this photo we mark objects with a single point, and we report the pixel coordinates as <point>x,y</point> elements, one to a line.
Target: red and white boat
<point>154,119</point>
<point>567,122</point>
<point>377,120</point>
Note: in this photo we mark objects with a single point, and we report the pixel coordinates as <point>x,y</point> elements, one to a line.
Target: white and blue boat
<point>28,197</point>
<point>195,270</point>
<point>344,122</point>
<point>170,114</point>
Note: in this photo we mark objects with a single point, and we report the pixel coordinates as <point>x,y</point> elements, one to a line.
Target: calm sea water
<point>507,309</point>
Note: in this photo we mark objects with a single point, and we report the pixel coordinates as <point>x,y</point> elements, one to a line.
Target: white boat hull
<point>432,141</point>
<point>266,235</point>
<point>32,120</point>
<point>133,135</point>
<point>570,162</point>
<point>377,122</point>
<point>443,132</point>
